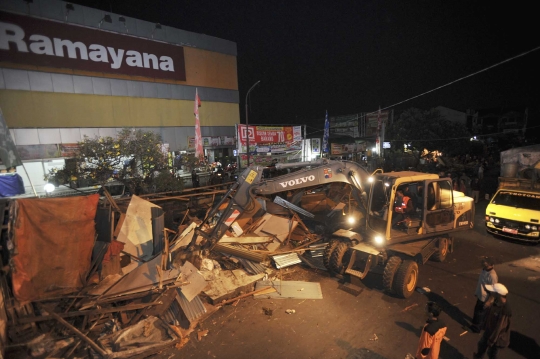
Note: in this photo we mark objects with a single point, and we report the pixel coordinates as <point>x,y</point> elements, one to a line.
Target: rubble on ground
<point>88,278</point>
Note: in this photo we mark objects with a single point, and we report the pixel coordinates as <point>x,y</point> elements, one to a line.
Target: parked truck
<point>514,210</point>
<point>373,234</point>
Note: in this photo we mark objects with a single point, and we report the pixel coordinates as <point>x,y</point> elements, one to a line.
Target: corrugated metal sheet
<point>289,205</point>
<point>317,250</point>
<point>286,260</point>
<point>250,266</point>
<point>194,309</point>
<point>181,306</point>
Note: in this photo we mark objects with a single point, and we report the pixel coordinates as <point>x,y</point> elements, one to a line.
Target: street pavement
<point>359,320</point>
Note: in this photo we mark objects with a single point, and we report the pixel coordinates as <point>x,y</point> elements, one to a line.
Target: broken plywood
<point>146,276</point>
<point>136,231</point>
<point>227,284</point>
<point>277,227</point>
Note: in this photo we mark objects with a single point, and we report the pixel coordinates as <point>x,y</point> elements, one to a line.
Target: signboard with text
<point>269,139</point>
<point>33,41</point>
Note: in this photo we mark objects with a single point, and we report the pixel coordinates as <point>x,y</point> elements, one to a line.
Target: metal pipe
<point>247,121</point>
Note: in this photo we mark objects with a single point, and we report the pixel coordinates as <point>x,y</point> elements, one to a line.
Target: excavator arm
<point>241,196</point>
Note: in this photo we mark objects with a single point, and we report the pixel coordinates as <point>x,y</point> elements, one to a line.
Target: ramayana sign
<point>33,41</point>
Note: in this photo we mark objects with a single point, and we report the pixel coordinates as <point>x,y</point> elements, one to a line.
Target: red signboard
<point>270,138</point>
<point>33,41</point>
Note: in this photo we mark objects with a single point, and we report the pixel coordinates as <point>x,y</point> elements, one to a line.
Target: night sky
<point>354,56</point>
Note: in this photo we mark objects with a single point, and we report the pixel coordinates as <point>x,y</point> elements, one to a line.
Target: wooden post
<point>83,337</point>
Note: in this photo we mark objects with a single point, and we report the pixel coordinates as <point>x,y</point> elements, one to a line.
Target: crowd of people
<point>492,315</point>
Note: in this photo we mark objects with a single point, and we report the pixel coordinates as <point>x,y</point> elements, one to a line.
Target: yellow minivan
<point>515,213</point>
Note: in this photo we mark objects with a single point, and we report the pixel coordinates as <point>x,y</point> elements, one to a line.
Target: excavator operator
<point>403,207</point>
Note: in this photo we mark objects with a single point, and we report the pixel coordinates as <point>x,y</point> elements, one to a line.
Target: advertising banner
<point>39,42</point>
<point>270,138</point>
<point>372,122</point>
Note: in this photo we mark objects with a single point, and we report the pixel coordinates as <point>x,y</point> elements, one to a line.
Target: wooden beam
<point>25,320</point>
<point>81,335</point>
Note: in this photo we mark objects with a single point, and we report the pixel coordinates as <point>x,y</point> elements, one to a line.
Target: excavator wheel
<point>327,255</point>
<point>389,273</point>
<point>340,257</point>
<point>405,279</point>
<point>442,250</point>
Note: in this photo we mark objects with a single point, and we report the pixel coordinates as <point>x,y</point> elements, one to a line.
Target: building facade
<point>69,71</point>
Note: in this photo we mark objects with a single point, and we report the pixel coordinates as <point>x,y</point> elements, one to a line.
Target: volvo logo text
<point>297,181</point>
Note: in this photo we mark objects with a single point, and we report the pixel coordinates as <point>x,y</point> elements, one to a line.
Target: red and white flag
<point>198,139</point>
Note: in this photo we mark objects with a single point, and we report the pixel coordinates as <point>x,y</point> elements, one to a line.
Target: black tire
<point>327,255</point>
<point>405,279</point>
<point>340,257</point>
<point>389,273</point>
<point>442,250</point>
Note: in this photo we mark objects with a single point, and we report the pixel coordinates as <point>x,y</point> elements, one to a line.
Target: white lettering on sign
<point>43,45</point>
<point>297,181</point>
<point>464,223</point>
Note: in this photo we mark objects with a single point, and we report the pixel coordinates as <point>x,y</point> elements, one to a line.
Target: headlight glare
<point>379,240</point>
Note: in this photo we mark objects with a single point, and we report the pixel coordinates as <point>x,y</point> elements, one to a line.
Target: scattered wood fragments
<point>138,290</point>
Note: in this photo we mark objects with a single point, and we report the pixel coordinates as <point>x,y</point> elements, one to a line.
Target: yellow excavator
<point>391,221</point>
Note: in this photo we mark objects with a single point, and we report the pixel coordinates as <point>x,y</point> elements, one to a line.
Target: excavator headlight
<point>497,220</point>
<point>378,240</point>
<point>370,180</point>
<point>527,226</point>
<point>534,228</point>
<point>351,220</point>
<point>491,219</point>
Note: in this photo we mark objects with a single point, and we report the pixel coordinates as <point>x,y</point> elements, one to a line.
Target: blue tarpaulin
<point>11,184</point>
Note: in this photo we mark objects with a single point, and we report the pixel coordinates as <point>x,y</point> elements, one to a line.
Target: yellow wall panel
<point>25,109</point>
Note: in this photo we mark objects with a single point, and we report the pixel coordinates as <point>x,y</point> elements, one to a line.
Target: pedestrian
<point>475,187</point>
<point>194,178</point>
<point>488,276</point>
<point>496,324</point>
<point>462,187</point>
<point>432,334</point>
<point>481,172</point>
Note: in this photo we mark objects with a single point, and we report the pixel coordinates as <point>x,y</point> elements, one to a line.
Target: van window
<point>517,200</point>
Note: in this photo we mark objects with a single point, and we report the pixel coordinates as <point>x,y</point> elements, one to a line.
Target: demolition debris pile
<point>84,277</point>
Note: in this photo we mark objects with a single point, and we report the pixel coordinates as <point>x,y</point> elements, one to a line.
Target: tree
<point>428,130</point>
<point>134,157</point>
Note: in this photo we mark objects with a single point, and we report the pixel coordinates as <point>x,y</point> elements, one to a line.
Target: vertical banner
<point>326,134</point>
<point>198,139</point>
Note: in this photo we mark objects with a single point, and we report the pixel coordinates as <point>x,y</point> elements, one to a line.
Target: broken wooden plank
<point>25,320</point>
<point>245,240</point>
<point>255,292</point>
<point>77,332</point>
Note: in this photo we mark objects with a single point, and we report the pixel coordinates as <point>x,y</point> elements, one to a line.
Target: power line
<point>460,79</point>
<point>456,138</point>
<point>453,82</point>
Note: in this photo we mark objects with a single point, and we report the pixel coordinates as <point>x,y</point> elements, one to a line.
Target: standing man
<point>487,277</point>
<point>475,187</point>
<point>496,323</point>
<point>432,334</point>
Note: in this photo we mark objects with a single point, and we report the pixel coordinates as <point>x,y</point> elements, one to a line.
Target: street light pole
<point>247,121</point>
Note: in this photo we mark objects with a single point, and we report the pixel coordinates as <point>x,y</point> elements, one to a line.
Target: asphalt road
<point>358,320</point>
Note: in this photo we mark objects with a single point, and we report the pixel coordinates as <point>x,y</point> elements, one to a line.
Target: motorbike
<point>218,176</point>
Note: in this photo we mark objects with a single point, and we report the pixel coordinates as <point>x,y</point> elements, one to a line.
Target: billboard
<point>39,42</point>
<point>268,139</point>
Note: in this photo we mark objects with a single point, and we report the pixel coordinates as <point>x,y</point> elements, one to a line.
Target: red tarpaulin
<point>54,238</point>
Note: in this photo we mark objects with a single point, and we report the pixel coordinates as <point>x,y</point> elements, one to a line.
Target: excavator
<point>379,232</point>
